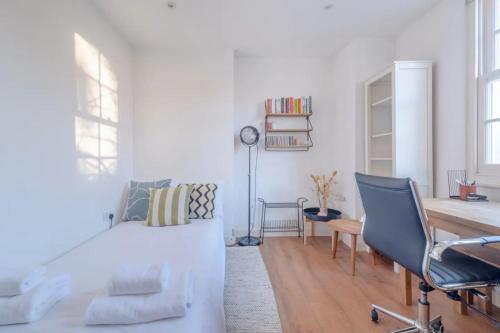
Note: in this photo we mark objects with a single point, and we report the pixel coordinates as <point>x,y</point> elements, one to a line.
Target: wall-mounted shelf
<point>288,148</point>
<point>290,130</point>
<point>294,127</point>
<point>288,114</point>
<point>305,141</point>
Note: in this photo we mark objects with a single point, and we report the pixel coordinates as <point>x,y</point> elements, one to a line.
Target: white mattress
<point>199,244</point>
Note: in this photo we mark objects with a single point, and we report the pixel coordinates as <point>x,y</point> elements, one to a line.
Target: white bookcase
<point>398,123</point>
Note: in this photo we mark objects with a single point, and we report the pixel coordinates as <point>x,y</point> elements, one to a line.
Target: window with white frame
<point>488,87</point>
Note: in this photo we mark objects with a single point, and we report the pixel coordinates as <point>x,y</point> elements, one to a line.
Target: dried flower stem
<point>323,187</point>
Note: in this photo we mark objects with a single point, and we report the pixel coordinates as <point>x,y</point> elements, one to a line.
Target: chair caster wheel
<point>374,315</point>
<point>438,327</point>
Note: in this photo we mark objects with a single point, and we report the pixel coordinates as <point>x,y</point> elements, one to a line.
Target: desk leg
<point>405,279</point>
<point>335,238</point>
<point>487,305</point>
<point>305,231</point>
<point>470,298</point>
<point>353,253</point>
<point>374,257</point>
<point>461,306</point>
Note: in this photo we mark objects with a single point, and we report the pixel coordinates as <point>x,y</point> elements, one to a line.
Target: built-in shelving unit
<point>384,102</point>
<point>381,158</point>
<point>381,135</point>
<point>398,124</point>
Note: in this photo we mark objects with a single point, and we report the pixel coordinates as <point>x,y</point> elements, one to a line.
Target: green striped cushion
<point>169,206</point>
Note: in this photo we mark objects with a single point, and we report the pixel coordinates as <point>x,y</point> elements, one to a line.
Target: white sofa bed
<point>199,244</point>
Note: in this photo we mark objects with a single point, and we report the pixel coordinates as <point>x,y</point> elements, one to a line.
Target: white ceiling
<point>260,27</point>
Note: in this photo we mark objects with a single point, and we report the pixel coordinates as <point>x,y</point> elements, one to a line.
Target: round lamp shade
<point>249,135</point>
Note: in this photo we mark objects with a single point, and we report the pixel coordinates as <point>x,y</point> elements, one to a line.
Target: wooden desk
<point>465,219</point>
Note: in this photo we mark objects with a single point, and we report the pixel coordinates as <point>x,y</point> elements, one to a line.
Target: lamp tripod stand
<point>249,136</point>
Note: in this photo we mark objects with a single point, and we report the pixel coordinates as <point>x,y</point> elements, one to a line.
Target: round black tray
<point>312,214</point>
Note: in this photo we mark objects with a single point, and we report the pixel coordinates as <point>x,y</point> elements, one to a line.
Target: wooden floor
<point>317,294</point>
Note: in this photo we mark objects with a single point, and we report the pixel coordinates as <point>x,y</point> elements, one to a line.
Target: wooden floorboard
<point>317,294</point>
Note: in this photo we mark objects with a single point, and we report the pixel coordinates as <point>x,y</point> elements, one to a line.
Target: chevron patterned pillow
<point>201,203</point>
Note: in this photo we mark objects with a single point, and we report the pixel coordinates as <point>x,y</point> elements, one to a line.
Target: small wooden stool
<point>313,228</point>
<point>352,227</point>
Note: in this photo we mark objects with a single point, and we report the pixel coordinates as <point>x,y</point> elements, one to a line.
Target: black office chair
<point>396,226</point>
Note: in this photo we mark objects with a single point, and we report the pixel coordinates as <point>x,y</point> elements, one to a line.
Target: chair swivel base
<point>422,324</point>
<point>434,326</point>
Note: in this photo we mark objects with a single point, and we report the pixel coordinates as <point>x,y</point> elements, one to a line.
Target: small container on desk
<point>460,187</point>
<point>465,190</point>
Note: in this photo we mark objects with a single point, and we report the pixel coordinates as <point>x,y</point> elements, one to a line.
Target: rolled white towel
<point>17,281</point>
<point>173,301</point>
<point>34,304</point>
<point>138,279</point>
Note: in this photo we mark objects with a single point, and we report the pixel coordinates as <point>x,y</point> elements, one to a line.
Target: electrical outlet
<point>108,218</point>
<point>340,198</point>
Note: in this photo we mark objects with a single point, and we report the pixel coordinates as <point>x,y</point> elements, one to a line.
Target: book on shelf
<point>300,105</point>
<point>283,141</point>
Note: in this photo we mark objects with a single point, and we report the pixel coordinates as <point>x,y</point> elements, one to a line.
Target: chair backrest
<point>394,225</point>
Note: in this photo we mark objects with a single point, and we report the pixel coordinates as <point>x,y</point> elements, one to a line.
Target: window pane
<point>494,105</point>
<point>497,14</point>
<point>497,50</point>
<point>493,143</point>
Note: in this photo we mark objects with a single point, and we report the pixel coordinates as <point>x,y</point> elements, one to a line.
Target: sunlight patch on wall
<point>96,125</point>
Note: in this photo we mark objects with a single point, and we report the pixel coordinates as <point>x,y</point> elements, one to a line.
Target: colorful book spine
<point>288,105</point>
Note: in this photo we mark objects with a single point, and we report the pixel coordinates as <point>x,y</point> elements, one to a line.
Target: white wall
<point>336,86</point>
<point>352,66</point>
<point>281,176</point>
<point>183,117</point>
<point>54,193</point>
<point>440,35</point>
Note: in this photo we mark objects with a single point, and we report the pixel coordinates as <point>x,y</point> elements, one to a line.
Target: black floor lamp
<point>249,136</point>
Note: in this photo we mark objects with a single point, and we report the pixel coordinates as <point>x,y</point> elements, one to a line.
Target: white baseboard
<point>345,238</point>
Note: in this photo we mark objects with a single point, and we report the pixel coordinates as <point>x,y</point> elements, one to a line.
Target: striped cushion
<point>169,206</point>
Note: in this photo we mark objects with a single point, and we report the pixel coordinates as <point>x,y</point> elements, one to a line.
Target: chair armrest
<point>439,248</point>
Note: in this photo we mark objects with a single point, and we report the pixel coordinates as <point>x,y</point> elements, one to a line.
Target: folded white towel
<point>35,303</point>
<point>17,281</point>
<point>138,279</point>
<point>173,301</point>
